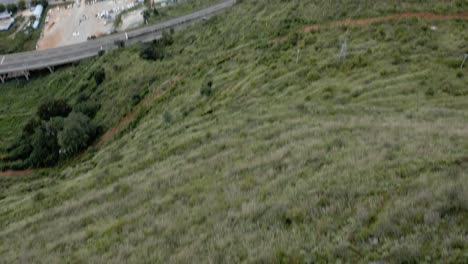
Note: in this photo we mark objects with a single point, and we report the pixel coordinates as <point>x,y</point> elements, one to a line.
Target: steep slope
<point>258,144</point>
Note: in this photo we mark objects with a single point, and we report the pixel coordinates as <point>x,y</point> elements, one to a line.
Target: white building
<point>6,21</point>
<point>164,3</point>
<point>37,13</point>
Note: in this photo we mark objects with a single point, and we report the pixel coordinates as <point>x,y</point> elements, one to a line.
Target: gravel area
<point>77,22</point>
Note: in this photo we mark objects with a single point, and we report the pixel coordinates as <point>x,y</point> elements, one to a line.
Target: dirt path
<point>367,21</point>
<point>21,26</point>
<point>15,172</point>
<point>130,117</point>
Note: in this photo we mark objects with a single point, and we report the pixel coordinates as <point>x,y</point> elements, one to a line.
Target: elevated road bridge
<point>21,64</point>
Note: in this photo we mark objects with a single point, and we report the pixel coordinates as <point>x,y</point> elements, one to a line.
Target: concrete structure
<point>5,15</point>
<point>37,12</point>
<point>6,20</point>
<point>164,3</point>
<point>20,64</point>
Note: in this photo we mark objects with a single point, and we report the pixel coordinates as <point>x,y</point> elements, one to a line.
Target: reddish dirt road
<point>127,119</point>
<point>15,172</point>
<point>367,21</point>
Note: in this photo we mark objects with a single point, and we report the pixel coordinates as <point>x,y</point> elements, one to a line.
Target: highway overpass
<point>20,64</point>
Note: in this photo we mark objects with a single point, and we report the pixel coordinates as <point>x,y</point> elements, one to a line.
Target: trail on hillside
<point>15,172</point>
<point>130,117</point>
<point>367,21</point>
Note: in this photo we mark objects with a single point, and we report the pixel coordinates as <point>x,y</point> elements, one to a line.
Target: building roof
<point>38,11</point>
<point>36,24</point>
<point>6,25</point>
<point>5,15</point>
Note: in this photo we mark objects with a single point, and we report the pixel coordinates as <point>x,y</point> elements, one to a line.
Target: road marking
<point>2,60</point>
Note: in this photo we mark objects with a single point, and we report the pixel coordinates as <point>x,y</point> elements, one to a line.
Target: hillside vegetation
<point>256,143</point>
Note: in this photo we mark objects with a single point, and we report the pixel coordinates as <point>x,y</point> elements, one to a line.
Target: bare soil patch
<point>367,21</point>
<point>71,24</point>
<point>15,173</point>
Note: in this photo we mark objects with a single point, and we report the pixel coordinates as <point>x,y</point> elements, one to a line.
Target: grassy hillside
<point>250,151</point>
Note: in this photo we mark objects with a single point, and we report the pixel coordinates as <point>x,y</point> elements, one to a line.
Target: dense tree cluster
<point>156,50</point>
<point>57,132</point>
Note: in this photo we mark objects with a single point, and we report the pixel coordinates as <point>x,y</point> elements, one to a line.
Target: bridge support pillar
<point>51,69</point>
<point>26,75</point>
<point>2,77</point>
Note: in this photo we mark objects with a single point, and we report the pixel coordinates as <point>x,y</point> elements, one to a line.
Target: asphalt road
<point>34,60</point>
<point>5,2</point>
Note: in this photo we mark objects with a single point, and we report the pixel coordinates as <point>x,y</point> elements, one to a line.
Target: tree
<point>12,8</point>
<point>2,8</point>
<point>99,75</point>
<point>167,39</point>
<point>152,51</point>
<point>52,108</point>
<point>89,108</point>
<point>22,4</point>
<point>207,88</point>
<point>21,148</point>
<point>77,133</point>
<point>45,145</point>
<point>33,2</point>
<point>146,15</point>
<point>31,126</point>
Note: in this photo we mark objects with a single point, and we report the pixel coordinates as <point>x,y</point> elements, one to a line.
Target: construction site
<point>83,20</point>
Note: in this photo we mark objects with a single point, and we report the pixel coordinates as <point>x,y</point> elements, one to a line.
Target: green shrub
<point>146,15</point>
<point>22,5</point>
<point>77,133</point>
<point>167,39</point>
<point>31,126</point>
<point>18,165</point>
<point>20,150</point>
<point>430,91</point>
<point>167,117</point>
<point>53,108</point>
<point>99,75</point>
<point>152,51</point>
<point>313,76</point>
<point>328,93</point>
<point>206,89</point>
<point>2,8</point>
<point>11,8</point>
<point>44,143</point>
<point>89,108</point>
